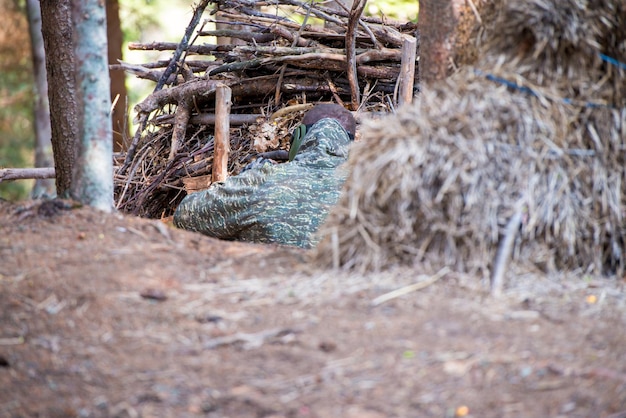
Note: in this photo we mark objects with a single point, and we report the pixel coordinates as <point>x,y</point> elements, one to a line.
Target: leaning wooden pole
<point>223,103</point>
<point>43,127</point>
<point>351,68</point>
<point>182,46</point>
<point>407,70</point>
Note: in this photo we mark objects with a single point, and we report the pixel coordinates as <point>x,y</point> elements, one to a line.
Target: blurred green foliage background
<point>142,21</point>
<point>16,96</point>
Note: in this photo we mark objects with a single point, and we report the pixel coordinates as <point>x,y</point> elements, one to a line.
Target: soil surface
<point>113,316</point>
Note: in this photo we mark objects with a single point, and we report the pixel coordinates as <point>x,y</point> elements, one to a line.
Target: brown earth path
<point>114,316</point>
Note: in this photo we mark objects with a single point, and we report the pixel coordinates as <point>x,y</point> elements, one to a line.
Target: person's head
<point>321,111</point>
<point>333,111</point>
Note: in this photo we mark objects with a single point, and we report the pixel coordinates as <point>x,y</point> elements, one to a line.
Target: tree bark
<point>118,77</point>
<point>92,182</point>
<point>57,29</point>
<point>437,25</point>
<point>43,134</point>
<point>441,23</point>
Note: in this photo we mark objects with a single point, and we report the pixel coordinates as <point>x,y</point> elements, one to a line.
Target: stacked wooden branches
<point>270,53</point>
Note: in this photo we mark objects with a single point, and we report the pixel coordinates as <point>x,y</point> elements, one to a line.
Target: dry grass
<point>440,180</point>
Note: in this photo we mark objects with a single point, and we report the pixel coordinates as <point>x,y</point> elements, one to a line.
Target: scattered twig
<point>290,109</point>
<point>153,294</point>
<point>12,341</point>
<point>411,288</point>
<point>250,341</point>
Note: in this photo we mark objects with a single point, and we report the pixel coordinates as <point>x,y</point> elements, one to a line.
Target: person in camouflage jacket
<point>279,203</point>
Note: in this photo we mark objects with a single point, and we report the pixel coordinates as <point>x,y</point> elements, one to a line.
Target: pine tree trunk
<point>43,134</point>
<point>75,40</point>
<point>57,30</point>
<point>92,182</point>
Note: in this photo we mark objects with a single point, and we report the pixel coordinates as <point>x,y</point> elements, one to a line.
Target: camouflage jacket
<point>275,203</point>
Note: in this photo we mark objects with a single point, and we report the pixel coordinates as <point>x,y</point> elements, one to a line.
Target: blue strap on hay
<point>528,90</point>
<point>613,61</point>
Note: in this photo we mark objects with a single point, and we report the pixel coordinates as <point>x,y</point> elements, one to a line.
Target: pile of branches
<point>273,55</point>
<point>523,157</point>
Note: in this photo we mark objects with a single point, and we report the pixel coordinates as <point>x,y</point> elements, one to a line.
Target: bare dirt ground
<point>113,316</point>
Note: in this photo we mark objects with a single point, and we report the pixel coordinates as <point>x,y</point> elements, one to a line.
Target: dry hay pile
<point>533,139</point>
<point>273,54</point>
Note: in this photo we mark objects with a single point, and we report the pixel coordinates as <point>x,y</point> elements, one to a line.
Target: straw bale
<point>439,181</point>
<point>475,21</point>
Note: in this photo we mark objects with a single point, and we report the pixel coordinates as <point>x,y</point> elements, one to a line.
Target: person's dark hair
<point>333,111</point>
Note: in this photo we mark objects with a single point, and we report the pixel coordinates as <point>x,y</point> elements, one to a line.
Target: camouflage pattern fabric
<point>275,203</point>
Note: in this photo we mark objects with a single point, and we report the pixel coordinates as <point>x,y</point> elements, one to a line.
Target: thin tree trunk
<point>43,133</point>
<point>57,29</point>
<point>437,25</point>
<point>118,77</point>
<point>92,182</point>
<point>440,43</point>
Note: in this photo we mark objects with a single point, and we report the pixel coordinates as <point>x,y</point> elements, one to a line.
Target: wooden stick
<point>355,14</point>
<point>252,340</point>
<point>182,46</point>
<point>291,109</point>
<point>240,34</point>
<point>504,252</point>
<point>205,49</point>
<point>223,103</point>
<point>173,96</point>
<point>181,118</point>
<point>326,13</point>
<point>209,119</point>
<point>26,173</point>
<point>410,288</point>
<point>407,70</point>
